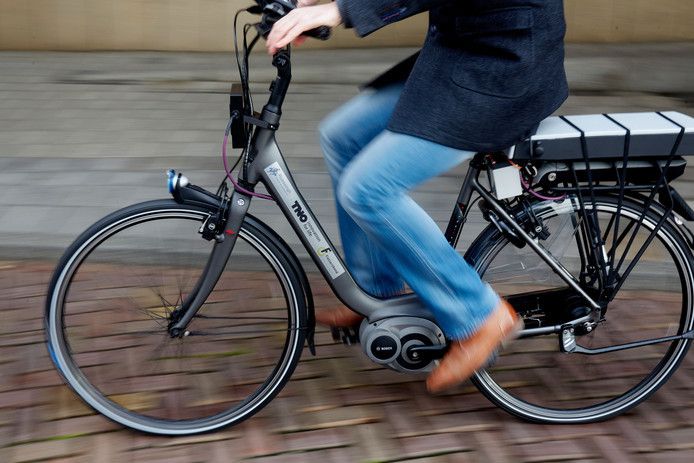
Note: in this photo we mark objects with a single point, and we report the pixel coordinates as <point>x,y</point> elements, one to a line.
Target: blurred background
<point>204,25</point>
<point>99,98</point>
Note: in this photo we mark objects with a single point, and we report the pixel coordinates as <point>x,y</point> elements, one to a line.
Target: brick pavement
<point>337,407</point>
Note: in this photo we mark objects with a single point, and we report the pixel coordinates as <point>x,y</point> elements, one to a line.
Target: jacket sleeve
<point>367,16</point>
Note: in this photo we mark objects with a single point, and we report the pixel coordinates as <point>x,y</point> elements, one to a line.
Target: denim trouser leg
<point>387,237</point>
<point>342,135</point>
<point>373,191</point>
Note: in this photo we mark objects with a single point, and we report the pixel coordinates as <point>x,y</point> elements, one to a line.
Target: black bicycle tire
<point>487,243</point>
<point>252,229</point>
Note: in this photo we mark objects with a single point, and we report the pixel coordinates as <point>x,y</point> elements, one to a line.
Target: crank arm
<point>567,343</point>
<point>427,352</point>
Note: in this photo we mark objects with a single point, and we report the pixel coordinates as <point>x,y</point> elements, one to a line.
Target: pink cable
<point>228,172</point>
<point>527,188</point>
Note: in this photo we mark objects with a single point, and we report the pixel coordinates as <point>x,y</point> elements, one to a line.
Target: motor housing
<point>388,342</point>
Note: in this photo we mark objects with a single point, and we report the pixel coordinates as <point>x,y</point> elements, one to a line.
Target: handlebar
<point>270,12</point>
<point>273,10</point>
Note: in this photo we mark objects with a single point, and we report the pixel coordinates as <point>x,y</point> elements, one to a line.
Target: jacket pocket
<point>495,52</point>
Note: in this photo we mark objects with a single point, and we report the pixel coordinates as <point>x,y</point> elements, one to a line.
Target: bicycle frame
<point>269,168</point>
<point>265,164</point>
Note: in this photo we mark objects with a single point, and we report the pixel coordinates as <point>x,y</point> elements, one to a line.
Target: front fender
<point>270,234</point>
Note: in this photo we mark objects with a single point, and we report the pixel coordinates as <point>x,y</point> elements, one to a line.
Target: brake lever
<point>289,5</point>
<point>263,28</point>
<point>320,33</point>
<point>273,10</point>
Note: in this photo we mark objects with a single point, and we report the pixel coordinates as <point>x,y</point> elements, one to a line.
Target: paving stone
<point>48,450</point>
<point>556,450</point>
<point>669,456</point>
<point>612,449</point>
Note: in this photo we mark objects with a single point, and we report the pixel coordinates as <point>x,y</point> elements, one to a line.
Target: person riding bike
<point>489,71</point>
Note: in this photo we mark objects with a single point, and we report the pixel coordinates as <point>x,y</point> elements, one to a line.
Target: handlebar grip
<point>320,33</point>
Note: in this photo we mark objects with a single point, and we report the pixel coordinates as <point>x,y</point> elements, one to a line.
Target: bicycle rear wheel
<point>119,285</point>
<point>533,379</point>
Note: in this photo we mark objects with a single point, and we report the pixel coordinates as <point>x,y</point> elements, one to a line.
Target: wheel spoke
<point>655,296</point>
<point>130,275</point>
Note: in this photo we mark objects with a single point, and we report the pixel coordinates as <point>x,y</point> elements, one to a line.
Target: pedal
<point>345,335</point>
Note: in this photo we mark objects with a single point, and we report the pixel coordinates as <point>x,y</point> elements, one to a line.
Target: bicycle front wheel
<point>533,378</point>
<point>116,290</point>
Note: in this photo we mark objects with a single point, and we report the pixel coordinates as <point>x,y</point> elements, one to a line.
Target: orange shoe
<point>338,317</point>
<point>469,355</point>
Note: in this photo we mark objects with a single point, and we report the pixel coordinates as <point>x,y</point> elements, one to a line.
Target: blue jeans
<point>387,238</point>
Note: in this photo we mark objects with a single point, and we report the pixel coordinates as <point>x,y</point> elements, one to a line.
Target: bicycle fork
<point>183,192</point>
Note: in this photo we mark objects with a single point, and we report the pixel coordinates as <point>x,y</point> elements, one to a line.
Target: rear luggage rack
<point>632,155</point>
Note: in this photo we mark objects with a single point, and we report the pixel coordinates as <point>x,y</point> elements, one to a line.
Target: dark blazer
<point>489,70</point>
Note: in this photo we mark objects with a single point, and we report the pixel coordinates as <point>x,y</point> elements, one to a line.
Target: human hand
<point>299,4</point>
<point>300,20</point>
